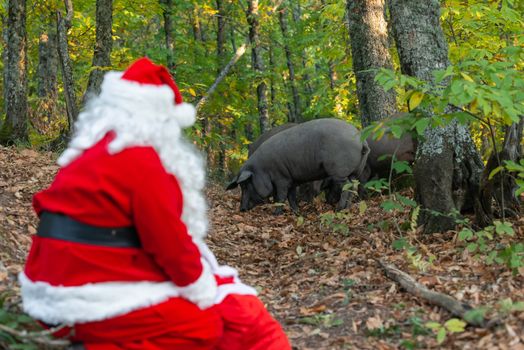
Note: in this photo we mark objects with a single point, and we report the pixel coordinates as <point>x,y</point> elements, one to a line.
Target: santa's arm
<point>157,209</point>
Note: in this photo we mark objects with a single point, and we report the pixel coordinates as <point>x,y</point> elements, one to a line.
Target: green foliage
<point>453,325</point>
<point>322,320</point>
<point>519,169</point>
<point>337,222</point>
<point>489,245</point>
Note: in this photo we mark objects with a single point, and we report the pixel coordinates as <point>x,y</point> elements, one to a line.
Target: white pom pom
<point>185,114</point>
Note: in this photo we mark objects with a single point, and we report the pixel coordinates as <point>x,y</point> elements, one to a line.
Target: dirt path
<point>321,282</point>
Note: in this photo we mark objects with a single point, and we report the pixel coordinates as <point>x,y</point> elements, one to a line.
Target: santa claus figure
<point>119,256</point>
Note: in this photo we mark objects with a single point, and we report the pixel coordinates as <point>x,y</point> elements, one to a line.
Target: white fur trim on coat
<point>142,115</point>
<point>100,301</point>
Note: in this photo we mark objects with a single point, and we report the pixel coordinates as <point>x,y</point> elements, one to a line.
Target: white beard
<point>145,115</point>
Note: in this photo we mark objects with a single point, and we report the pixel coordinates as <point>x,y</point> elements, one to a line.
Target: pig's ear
<point>232,184</point>
<point>243,176</point>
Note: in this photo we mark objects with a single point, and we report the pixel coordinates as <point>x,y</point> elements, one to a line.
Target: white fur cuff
<point>203,291</point>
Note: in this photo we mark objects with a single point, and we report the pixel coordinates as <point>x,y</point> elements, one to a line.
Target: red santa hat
<point>147,74</point>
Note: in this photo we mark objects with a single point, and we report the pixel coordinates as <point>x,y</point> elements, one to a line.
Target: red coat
<point>67,282</point>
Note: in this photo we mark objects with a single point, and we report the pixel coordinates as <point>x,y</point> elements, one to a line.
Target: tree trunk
<point>103,46</point>
<point>369,45</point>
<point>294,90</point>
<point>221,51</point>
<point>448,166</point>
<point>46,77</point>
<point>14,127</point>
<point>168,29</point>
<point>258,65</point>
<point>502,186</point>
<point>63,24</point>
<point>308,89</point>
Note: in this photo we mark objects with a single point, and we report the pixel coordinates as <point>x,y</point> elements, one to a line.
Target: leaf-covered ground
<point>322,283</point>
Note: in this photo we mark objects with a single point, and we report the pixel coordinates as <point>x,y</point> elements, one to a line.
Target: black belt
<point>65,228</point>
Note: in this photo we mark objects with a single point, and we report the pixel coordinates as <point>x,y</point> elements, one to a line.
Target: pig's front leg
<point>292,199</point>
<point>280,198</point>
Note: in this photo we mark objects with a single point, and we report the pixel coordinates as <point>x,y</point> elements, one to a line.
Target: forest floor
<point>322,283</point>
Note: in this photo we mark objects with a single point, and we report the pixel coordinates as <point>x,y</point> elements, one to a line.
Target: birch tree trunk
<point>14,127</point>
<point>103,46</point>
<point>448,166</point>
<point>291,68</point>
<point>258,64</point>
<point>369,46</point>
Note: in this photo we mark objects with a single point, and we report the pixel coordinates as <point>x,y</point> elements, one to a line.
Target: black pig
<point>307,152</point>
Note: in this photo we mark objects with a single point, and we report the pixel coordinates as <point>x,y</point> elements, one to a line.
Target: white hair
<point>145,115</point>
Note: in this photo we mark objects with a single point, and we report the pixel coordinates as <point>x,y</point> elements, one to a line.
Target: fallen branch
<point>240,51</point>
<point>41,337</point>
<point>444,301</point>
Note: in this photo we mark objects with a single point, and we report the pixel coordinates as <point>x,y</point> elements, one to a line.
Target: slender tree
<point>369,46</point>
<point>14,127</point>
<point>306,80</point>
<point>63,24</point>
<point>221,53</point>
<point>448,166</point>
<point>47,73</point>
<point>167,6</point>
<point>296,115</point>
<point>103,46</point>
<point>258,64</point>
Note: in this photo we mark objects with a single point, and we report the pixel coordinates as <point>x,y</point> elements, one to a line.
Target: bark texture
<point>14,127</point>
<point>63,24</point>
<point>168,29</point>
<point>502,186</point>
<point>258,64</point>
<point>296,116</point>
<point>46,77</point>
<point>369,45</point>
<point>448,167</point>
<point>103,46</point>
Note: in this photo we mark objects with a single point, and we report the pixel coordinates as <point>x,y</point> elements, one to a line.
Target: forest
<point>427,252</point>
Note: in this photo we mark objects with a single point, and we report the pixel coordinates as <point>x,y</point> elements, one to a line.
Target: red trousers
<point>240,322</point>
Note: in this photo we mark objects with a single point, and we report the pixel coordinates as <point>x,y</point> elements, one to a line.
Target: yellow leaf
<point>467,77</point>
<point>415,99</point>
<point>191,92</point>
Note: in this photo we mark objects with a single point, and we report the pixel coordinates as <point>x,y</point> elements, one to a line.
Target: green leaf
<point>455,325</point>
<point>390,205</point>
<point>441,335</point>
<point>300,221</point>
<point>421,125</point>
<point>402,167</point>
<point>472,247</point>
<point>400,243</point>
<point>465,234</point>
<point>433,325</point>
<point>475,315</point>
<point>397,131</point>
<point>495,171</point>
<point>504,228</point>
